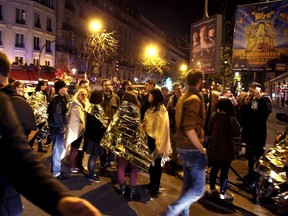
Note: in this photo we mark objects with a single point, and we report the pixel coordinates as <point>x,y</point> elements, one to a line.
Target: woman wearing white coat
<point>76,126</point>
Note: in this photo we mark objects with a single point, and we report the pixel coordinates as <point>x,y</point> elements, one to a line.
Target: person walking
<point>222,128</point>
<point>189,136</point>
<point>254,113</point>
<point>156,126</point>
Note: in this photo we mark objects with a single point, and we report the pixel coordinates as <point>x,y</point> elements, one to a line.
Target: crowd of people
<point>125,130</point>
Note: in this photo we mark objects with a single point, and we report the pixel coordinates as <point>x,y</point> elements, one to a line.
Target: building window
<point>1,18</point>
<point>19,41</point>
<point>37,22</point>
<point>19,60</point>
<point>48,46</point>
<point>20,16</point>
<point>47,63</point>
<point>1,38</point>
<point>36,43</point>
<point>49,25</point>
<point>36,62</point>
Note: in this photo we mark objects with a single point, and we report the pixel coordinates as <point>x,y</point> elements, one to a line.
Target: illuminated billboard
<point>206,40</point>
<point>260,37</point>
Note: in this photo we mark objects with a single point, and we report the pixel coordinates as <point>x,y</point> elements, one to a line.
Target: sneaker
<point>226,196</point>
<point>62,178</point>
<point>94,178</point>
<point>74,169</point>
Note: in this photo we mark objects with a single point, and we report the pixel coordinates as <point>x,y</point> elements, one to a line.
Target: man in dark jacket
<point>36,183</point>
<point>57,121</point>
<point>254,113</point>
<point>26,116</point>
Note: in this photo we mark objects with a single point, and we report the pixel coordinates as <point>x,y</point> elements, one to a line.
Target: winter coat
<point>222,129</point>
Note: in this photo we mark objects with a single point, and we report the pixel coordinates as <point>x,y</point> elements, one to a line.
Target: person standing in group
<point>38,102</point>
<point>254,114</point>
<point>126,138</point>
<point>149,86</point>
<point>110,105</point>
<point>75,127</point>
<point>57,121</point>
<point>20,88</point>
<point>156,126</point>
<point>36,183</point>
<point>23,109</point>
<point>96,124</point>
<point>166,94</point>
<point>177,89</point>
<point>222,128</point>
<point>189,136</point>
<point>122,90</point>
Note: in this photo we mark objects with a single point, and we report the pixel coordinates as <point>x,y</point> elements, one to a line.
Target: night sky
<point>175,16</point>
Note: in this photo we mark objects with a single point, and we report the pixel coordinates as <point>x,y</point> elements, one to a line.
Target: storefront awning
<point>31,75</point>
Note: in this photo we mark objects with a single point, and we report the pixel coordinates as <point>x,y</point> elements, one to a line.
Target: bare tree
<point>98,47</point>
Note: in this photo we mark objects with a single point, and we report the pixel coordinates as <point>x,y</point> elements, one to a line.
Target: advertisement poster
<point>260,40</point>
<point>206,40</point>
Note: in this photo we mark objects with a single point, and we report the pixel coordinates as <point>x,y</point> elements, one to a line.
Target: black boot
<point>40,148</point>
<point>122,189</point>
<point>132,193</point>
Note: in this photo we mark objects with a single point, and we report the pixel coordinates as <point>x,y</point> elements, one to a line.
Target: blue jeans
<point>194,164</point>
<point>57,149</point>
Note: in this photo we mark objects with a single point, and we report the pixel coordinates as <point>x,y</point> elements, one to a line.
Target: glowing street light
<point>95,26</point>
<point>183,68</point>
<point>151,51</point>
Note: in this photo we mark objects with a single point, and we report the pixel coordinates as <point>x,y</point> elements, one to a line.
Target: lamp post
<point>39,69</point>
<point>95,27</point>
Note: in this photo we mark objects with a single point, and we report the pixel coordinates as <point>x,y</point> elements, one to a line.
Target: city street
<point>105,197</point>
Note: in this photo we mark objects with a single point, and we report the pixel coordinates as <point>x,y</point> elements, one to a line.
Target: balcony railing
<point>20,21</point>
<point>48,50</point>
<point>43,2</point>
<point>1,43</point>
<point>36,48</point>
<point>49,29</point>
<point>20,45</point>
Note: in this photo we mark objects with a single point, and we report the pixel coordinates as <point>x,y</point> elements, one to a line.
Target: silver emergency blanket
<point>38,103</point>
<point>126,138</point>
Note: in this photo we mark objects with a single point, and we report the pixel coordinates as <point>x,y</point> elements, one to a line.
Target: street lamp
<point>39,69</point>
<point>183,68</point>
<point>95,26</point>
<point>151,51</point>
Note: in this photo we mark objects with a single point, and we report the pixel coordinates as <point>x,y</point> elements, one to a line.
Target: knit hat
<point>58,85</point>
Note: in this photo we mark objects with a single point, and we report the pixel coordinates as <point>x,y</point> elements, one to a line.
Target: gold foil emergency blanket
<point>273,161</point>
<point>38,103</point>
<point>98,112</point>
<point>126,138</point>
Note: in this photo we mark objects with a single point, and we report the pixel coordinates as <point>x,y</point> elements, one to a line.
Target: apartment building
<point>50,32</point>
<point>27,31</point>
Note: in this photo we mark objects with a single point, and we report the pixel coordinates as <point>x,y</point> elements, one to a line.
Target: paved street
<point>104,195</point>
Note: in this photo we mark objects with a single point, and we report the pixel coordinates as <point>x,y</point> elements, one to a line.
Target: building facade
<point>50,32</point>
<point>27,31</point>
